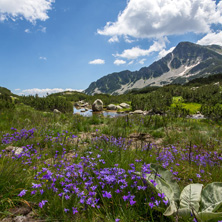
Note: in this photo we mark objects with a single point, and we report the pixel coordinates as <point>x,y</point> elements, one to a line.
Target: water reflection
<point>89,112</point>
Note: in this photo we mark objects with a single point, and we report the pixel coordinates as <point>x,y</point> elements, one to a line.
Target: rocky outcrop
<point>111,107</point>
<point>125,105</point>
<point>97,105</point>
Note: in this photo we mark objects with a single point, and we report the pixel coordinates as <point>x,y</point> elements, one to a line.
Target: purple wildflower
<point>22,193</point>
<point>42,203</point>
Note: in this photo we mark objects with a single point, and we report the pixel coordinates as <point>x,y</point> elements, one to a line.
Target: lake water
<point>90,112</point>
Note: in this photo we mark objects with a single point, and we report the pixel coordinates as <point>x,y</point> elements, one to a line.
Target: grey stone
<point>119,107</point>
<point>7,220</point>
<point>138,112</point>
<point>20,219</point>
<point>20,211</point>
<point>15,150</point>
<point>125,105</point>
<point>97,105</point>
<point>111,107</point>
<point>56,111</point>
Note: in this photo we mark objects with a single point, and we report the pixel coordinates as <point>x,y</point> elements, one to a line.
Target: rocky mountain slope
<point>187,61</point>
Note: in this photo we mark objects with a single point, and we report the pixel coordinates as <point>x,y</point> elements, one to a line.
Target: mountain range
<point>186,62</point>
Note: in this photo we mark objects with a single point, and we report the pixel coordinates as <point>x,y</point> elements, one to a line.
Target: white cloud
<point>113,39</point>
<point>42,29</point>
<point>164,52</point>
<point>43,92</point>
<point>97,62</point>
<point>136,52</point>
<point>31,10</point>
<point>126,38</point>
<point>153,19</point>
<point>42,58</point>
<point>131,62</point>
<point>27,31</point>
<point>119,62</point>
<point>142,61</point>
<point>17,89</point>
<point>211,38</point>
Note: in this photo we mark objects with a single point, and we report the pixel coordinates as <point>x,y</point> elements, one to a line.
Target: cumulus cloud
<point>42,29</point>
<point>17,89</point>
<point>113,39</point>
<point>152,19</point>
<point>31,10</point>
<point>136,52</point>
<point>42,58</point>
<point>211,38</point>
<point>164,52</point>
<point>27,31</point>
<point>142,61</point>
<point>119,62</point>
<point>97,62</point>
<point>43,92</point>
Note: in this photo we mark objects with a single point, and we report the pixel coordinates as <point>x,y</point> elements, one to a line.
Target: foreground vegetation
<point>75,168</point>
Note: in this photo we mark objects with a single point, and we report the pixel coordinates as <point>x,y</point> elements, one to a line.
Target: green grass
<point>191,107</point>
<point>180,132</point>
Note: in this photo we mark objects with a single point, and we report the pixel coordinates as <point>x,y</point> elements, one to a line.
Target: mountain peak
<point>187,61</point>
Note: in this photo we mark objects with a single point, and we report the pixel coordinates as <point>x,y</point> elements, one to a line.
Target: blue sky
<point>52,45</point>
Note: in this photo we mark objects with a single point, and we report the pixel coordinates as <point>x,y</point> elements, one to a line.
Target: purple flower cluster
<point>16,136</point>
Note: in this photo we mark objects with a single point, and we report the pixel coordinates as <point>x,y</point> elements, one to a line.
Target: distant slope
<point>187,61</point>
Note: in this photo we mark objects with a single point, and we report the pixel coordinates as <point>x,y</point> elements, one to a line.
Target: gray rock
<point>20,219</point>
<point>119,107</point>
<point>7,220</point>
<point>15,150</point>
<point>197,116</point>
<point>97,105</point>
<point>111,107</point>
<point>56,111</point>
<point>20,211</point>
<point>125,105</point>
<point>138,112</point>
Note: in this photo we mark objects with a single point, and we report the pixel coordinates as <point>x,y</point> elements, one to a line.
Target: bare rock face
<point>111,107</point>
<point>15,150</point>
<point>97,105</point>
<point>125,105</point>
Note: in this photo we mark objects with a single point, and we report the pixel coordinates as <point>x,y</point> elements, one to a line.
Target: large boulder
<point>97,105</point>
<point>124,105</point>
<point>56,111</point>
<point>119,107</point>
<point>111,107</point>
<point>138,112</point>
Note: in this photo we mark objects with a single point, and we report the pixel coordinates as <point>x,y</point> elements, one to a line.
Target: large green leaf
<point>165,184</point>
<point>185,213</point>
<point>190,197</point>
<point>171,209</point>
<point>207,216</point>
<point>211,201</point>
<point>169,178</point>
